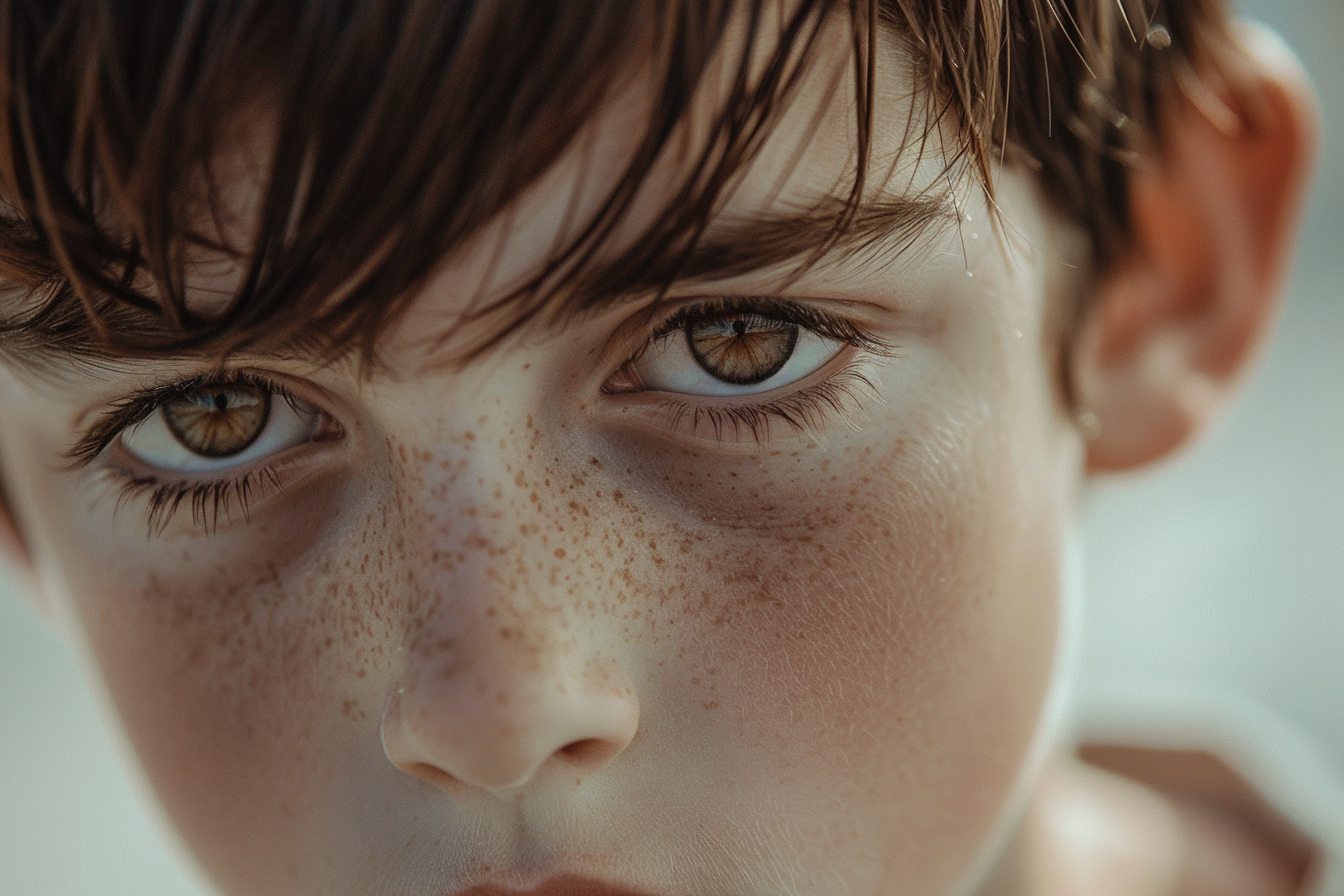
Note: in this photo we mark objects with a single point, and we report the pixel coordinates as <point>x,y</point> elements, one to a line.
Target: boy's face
<point>558,616</point>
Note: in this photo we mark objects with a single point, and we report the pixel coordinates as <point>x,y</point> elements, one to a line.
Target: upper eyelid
<point>798,312</point>
<point>137,406</point>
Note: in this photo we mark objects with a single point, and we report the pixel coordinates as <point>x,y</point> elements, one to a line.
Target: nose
<point>495,707</point>
<point>493,734</point>
<point>504,677</point>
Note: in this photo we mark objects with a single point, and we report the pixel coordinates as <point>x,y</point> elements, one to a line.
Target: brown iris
<point>218,422</point>
<point>741,349</point>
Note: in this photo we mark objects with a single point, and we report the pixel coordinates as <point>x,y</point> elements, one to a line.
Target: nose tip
<point>497,741</point>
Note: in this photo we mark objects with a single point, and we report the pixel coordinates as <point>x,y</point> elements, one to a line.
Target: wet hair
<point>393,130</point>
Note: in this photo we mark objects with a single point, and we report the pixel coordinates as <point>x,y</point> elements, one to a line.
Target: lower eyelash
<point>805,411</point>
<point>208,500</point>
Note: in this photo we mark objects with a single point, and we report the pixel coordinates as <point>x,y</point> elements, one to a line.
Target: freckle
<point>559,553</point>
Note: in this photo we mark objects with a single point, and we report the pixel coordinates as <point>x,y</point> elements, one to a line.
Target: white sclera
<point>669,366</point>
<point>153,443</point>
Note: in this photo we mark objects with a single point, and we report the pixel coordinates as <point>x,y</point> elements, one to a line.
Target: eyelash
<point>806,316</point>
<point>807,410</point>
<point>207,498</point>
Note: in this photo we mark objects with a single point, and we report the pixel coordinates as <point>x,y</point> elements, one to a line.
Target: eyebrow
<point>52,361</point>
<point>731,246</point>
<point>70,348</point>
<point>738,246</point>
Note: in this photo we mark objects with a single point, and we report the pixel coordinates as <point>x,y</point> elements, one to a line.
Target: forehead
<point>839,165</point>
<point>787,123</point>
<point>784,141</point>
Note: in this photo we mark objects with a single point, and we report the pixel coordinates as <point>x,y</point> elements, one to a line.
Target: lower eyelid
<point>833,393</point>
<point>131,485</point>
<point>210,501</point>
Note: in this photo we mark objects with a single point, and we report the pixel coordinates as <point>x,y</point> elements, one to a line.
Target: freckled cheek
<point>238,664</point>
<point>835,610</point>
<point>884,617</point>
<point>826,553</point>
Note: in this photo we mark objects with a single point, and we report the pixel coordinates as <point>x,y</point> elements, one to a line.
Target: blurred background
<point>1219,576</point>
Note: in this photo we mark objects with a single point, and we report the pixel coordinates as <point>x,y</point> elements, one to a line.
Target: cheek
<point>245,668</point>
<point>865,636</point>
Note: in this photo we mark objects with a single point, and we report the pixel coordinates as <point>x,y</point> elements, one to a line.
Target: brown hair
<point>403,126</point>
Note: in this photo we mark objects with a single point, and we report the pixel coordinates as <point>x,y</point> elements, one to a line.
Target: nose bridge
<point>477,630</point>
<point>500,676</point>
<point>482,525</point>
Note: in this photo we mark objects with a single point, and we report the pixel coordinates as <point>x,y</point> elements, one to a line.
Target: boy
<point>601,448</point>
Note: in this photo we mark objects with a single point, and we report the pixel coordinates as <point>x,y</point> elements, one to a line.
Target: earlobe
<point>1215,216</point>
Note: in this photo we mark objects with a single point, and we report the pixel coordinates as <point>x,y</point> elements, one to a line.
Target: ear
<point>1215,216</point>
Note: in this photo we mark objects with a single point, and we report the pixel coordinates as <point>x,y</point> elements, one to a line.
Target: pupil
<point>743,349</point>
<point>218,422</point>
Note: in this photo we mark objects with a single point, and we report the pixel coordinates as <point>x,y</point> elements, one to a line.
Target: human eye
<point>736,363</point>
<point>209,443</point>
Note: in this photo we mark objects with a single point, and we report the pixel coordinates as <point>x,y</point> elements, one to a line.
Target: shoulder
<point>1134,820</point>
<point>1190,799</point>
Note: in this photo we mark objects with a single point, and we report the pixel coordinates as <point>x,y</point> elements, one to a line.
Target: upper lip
<point>568,885</point>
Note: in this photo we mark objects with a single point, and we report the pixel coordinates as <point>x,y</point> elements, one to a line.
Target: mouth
<point>556,886</point>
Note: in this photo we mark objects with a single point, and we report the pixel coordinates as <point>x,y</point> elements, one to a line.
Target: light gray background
<point>1222,572</point>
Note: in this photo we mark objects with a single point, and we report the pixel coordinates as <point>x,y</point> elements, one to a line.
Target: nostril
<point>589,751</point>
<point>433,774</point>
<point>455,732</point>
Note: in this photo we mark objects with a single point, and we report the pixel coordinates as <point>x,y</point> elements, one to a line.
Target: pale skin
<point>536,619</point>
